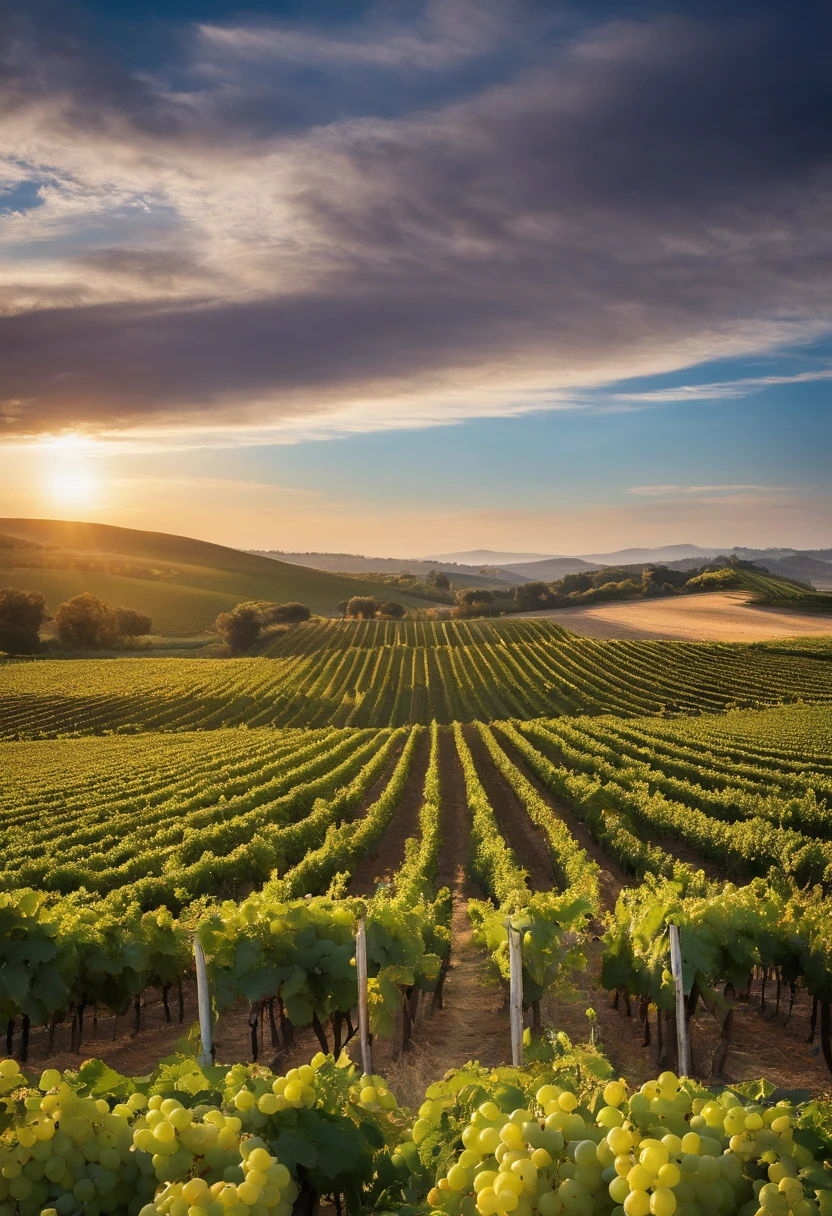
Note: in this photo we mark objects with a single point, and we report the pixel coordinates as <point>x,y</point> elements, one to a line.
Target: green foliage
<point>712,580</point>
<point>86,623</point>
<point>21,616</point>
<point>132,624</point>
<point>242,627</point>
<point>363,607</point>
<point>392,609</point>
<point>426,588</point>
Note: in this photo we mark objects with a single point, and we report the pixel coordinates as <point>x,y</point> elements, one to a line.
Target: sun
<point>68,476</point>
<point>72,485</point>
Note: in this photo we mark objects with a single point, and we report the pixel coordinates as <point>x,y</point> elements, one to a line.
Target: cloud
<point>671,491</point>
<point>444,34</point>
<point>725,389</point>
<point>631,199</point>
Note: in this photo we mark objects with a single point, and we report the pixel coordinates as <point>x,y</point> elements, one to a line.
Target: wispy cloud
<point>741,387</point>
<point>445,34</point>
<point>665,491</point>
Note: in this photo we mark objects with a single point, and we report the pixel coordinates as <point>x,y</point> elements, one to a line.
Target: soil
<point>611,878</point>
<point>527,842</point>
<point>405,823</point>
<point>760,1047</point>
<point>472,1023</point>
<point>719,616</point>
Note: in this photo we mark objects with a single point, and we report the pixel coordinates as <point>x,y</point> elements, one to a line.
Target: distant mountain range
<point>486,557</point>
<point>812,566</point>
<point>357,563</point>
<point>621,557</point>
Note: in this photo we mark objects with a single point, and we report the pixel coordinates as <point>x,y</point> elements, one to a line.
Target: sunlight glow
<point>73,485</point>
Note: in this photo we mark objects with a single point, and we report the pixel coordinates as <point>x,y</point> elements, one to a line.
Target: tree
<point>474,597</point>
<point>580,581</point>
<point>475,601</point>
<point>363,606</point>
<point>241,627</point>
<point>21,616</point>
<point>439,579</point>
<point>132,624</point>
<point>529,597</point>
<point>341,607</point>
<point>393,609</point>
<point>86,623</point>
<point>286,614</point>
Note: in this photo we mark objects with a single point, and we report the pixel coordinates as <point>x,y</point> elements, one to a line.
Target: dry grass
<point>723,616</point>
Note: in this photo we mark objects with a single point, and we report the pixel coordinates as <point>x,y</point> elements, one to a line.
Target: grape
<point>662,1201</point>
<point>669,1175</point>
<point>457,1178</point>
<point>421,1128</point>
<point>614,1093</point>
<point>637,1203</point>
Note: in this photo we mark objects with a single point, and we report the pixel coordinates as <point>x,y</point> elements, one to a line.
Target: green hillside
<point>776,590</point>
<point>183,584</point>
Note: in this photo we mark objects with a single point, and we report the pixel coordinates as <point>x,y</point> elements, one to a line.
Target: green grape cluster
<point>69,1153</point>
<point>669,1148</point>
<point>72,1155</point>
<point>372,1093</point>
<point>264,1188</point>
<point>256,1096</point>
<point>172,1140</point>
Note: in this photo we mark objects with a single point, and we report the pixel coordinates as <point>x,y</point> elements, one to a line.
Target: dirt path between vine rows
<point>612,878</point>
<point>383,864</point>
<point>525,840</point>
<point>473,1022</point>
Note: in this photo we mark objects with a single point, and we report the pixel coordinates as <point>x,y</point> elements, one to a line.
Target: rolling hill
<point>357,563</point>
<point>183,584</point>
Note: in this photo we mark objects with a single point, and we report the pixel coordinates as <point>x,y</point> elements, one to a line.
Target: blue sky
<point>409,277</point>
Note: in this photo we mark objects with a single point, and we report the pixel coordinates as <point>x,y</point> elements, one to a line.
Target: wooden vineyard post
<point>363,1012</point>
<point>515,992</point>
<point>681,1010</point>
<point>206,1056</point>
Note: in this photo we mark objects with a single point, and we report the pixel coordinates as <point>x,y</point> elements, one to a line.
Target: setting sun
<point>72,485</point>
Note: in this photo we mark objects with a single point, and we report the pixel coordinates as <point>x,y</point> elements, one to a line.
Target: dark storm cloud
<point>629,195</point>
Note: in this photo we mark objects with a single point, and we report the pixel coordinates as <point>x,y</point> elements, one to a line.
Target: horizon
<point>431,277</point>
<point>473,557</point>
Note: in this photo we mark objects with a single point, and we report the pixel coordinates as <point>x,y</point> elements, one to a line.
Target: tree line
<point>255,620</point>
<point>83,622</point>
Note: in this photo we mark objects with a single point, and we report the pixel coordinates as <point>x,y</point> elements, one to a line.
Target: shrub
<point>363,606</point>
<point>132,624</point>
<point>286,614</point>
<point>21,616</point>
<point>86,623</point>
<point>241,627</point>
<point>530,596</point>
<point>712,580</point>
<point>393,608</point>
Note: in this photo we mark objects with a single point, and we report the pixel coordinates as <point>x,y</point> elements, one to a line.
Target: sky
<point>414,277</point>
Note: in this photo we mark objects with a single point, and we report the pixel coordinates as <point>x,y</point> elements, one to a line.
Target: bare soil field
<point>721,616</point>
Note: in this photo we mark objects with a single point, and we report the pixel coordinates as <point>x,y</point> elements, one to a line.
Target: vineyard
<point>448,784</point>
<point>389,674</point>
